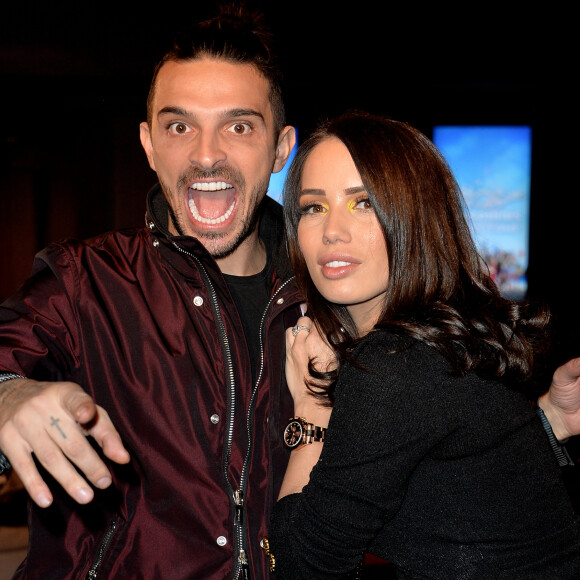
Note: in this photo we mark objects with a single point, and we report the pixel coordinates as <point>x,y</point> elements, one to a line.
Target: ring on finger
<point>296,329</point>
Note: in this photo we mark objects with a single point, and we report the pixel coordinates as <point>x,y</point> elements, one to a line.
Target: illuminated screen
<point>492,165</point>
<point>276,187</point>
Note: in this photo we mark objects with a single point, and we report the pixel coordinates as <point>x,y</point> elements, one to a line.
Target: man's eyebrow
<point>230,113</point>
<point>173,111</point>
<point>242,113</point>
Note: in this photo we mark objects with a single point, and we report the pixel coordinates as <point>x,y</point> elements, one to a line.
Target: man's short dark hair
<point>235,35</point>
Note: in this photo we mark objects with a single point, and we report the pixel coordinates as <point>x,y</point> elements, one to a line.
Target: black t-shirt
<point>251,295</point>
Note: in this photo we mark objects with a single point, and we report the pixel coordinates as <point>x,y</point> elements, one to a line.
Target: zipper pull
<point>244,566</point>
<point>103,547</point>
<point>239,501</point>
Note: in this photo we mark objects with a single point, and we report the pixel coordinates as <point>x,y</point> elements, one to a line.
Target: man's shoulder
<point>117,243</point>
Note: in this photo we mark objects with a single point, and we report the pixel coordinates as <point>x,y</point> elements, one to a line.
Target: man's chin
<point>219,244</point>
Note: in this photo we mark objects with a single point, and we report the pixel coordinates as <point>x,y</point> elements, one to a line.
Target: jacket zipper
<point>250,417</point>
<point>239,494</point>
<point>103,547</point>
<point>241,566</point>
<point>239,547</point>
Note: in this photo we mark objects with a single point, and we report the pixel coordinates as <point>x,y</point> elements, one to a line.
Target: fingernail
<point>84,495</point>
<point>43,500</point>
<point>104,482</point>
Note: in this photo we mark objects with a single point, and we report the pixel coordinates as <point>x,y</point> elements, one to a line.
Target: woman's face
<point>340,235</point>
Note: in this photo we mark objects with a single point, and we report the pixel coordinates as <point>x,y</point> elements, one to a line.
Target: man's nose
<point>207,151</point>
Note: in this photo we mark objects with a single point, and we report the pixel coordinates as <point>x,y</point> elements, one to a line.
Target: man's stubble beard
<point>249,224</point>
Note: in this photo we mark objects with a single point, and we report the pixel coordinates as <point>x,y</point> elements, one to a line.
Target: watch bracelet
<point>315,434</point>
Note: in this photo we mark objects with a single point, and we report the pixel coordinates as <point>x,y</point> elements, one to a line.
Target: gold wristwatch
<point>298,433</point>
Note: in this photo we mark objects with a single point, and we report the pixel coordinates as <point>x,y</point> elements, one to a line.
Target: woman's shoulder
<point>391,370</point>
<point>386,341</point>
<point>389,337</point>
<point>385,349</point>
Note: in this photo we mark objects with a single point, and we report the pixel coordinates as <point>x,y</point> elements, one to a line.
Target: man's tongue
<point>211,205</point>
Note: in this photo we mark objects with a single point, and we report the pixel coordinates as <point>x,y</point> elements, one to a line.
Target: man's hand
<point>52,420</point>
<point>561,404</point>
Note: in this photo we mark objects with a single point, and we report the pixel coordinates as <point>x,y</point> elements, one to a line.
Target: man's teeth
<point>218,220</point>
<point>210,185</point>
<point>337,264</point>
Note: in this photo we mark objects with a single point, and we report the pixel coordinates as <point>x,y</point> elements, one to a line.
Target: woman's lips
<point>337,266</point>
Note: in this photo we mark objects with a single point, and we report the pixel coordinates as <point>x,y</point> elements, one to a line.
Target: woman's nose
<point>336,227</point>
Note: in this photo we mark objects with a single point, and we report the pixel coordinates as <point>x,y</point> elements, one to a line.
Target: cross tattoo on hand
<point>54,423</point>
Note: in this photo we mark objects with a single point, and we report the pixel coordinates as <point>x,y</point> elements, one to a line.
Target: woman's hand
<point>304,343</point>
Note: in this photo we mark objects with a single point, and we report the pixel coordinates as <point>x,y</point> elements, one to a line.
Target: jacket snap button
<point>280,301</point>
<point>198,300</point>
<point>221,541</point>
<point>215,418</point>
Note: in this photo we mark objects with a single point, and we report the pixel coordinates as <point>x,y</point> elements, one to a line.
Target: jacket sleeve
<point>381,426</point>
<point>38,325</point>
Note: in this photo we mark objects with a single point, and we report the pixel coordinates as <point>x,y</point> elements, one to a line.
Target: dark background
<point>74,81</point>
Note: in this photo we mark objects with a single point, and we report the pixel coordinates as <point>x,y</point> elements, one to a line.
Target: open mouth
<point>211,202</point>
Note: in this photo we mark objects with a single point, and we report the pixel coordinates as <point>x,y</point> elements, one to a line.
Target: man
<point>177,330</point>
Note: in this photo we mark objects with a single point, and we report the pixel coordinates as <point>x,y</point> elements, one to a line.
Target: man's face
<point>212,143</point>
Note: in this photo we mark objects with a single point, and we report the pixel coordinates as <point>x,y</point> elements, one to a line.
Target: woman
<point>433,460</point>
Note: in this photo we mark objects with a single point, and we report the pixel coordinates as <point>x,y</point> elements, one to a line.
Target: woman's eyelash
<point>364,199</point>
<point>308,207</point>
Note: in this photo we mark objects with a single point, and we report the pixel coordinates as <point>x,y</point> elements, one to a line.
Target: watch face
<point>293,434</point>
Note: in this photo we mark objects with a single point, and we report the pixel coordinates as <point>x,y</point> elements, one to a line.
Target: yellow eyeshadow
<point>352,204</point>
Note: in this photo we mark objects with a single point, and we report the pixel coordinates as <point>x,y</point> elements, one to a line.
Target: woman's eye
<point>179,128</point>
<point>313,208</point>
<point>364,204</point>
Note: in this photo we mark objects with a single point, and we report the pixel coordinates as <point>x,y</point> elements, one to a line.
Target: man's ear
<point>286,141</point>
<point>145,135</point>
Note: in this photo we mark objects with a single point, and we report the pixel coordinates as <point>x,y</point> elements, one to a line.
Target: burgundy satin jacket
<point>146,324</point>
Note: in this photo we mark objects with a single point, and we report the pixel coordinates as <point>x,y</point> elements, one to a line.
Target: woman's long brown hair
<point>440,290</point>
